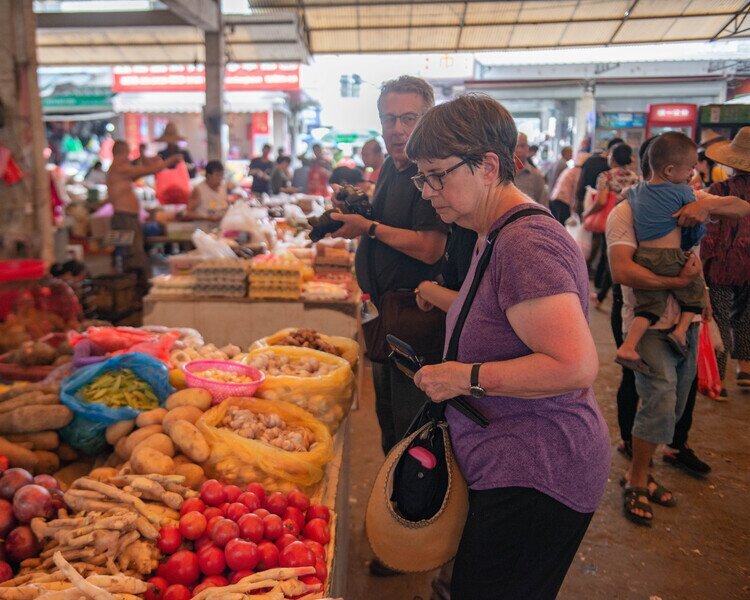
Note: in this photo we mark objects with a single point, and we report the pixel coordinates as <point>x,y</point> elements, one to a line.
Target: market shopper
<point>563,195</point>
<point>210,198</point>
<point>592,168</point>
<point>557,168</point>
<point>173,140</point>
<point>260,169</point>
<point>120,178</point>
<point>529,179</point>
<point>373,159</point>
<point>281,176</point>
<point>538,472</point>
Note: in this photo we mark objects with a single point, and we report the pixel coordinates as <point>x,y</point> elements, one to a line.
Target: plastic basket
<point>219,390</point>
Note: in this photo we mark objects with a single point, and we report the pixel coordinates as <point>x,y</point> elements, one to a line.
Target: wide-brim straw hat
<point>410,546</point>
<point>735,154</point>
<point>170,135</point>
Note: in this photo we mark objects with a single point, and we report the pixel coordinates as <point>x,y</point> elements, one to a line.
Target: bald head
<point>372,154</point>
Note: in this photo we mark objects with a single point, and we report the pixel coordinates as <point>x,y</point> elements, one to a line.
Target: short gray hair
<point>468,127</point>
<point>407,84</point>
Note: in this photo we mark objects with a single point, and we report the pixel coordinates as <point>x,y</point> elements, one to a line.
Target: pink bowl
<point>219,390</point>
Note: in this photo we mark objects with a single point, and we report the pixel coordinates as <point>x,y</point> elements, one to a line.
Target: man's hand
<point>694,213</point>
<point>173,160</point>
<point>444,381</point>
<point>690,270</point>
<point>354,225</point>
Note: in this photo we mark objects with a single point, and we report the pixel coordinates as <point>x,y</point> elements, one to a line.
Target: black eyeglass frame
<point>420,179</point>
<point>385,118</point>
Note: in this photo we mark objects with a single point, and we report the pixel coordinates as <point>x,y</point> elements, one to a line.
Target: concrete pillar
<point>585,111</point>
<point>26,213</point>
<point>213,111</point>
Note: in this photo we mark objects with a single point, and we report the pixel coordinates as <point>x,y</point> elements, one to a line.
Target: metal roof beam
<point>203,14</point>
<point>108,20</point>
<point>734,27</point>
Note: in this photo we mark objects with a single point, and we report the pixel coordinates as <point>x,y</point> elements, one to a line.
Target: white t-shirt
<point>621,232</point>
<point>212,202</point>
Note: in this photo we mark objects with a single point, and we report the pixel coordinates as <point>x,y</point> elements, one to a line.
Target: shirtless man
<point>120,178</point>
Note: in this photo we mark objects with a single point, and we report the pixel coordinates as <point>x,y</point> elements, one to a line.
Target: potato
<point>18,455</point>
<point>150,417</point>
<point>192,473</point>
<point>120,449</point>
<point>103,473</point>
<point>190,441</point>
<point>47,462</point>
<point>190,397</point>
<point>73,471</point>
<point>119,430</point>
<point>182,413</point>
<point>158,441</point>
<point>181,459</point>
<point>41,440</point>
<point>148,460</point>
<point>137,437</point>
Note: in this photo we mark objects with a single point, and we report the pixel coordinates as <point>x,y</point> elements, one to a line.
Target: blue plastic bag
<point>86,431</point>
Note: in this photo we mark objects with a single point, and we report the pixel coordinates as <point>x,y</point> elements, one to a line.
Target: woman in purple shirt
<point>526,360</point>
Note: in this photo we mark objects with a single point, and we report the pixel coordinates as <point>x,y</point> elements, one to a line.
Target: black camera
<point>354,203</point>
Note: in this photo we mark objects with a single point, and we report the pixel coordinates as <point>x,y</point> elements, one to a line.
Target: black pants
<point>602,277</point>
<point>627,396</point>
<point>560,210</point>
<point>517,544</point>
<point>397,402</point>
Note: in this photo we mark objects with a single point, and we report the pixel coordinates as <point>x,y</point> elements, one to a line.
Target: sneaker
<point>378,569</point>
<point>684,458</point>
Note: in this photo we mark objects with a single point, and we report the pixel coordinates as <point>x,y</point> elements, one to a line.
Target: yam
<point>190,441</point>
<point>158,441</point>
<point>197,397</point>
<point>41,440</point>
<point>17,455</point>
<point>47,462</point>
<point>119,430</point>
<point>137,437</point>
<point>103,473</point>
<point>66,452</point>
<point>193,474</point>
<point>29,419</point>
<point>150,417</point>
<point>29,399</point>
<point>120,449</point>
<point>182,413</point>
<point>147,460</point>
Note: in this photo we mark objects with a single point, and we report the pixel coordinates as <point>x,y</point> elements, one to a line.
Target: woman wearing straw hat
<point>725,251</point>
<point>526,360</point>
<point>172,138</point>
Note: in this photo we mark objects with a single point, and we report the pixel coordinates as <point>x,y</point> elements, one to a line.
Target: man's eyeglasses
<point>407,119</point>
<point>434,180</point>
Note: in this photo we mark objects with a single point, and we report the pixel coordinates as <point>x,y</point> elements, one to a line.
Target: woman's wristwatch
<point>476,390</point>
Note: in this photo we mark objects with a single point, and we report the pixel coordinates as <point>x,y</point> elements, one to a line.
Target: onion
<point>32,501</point>
<point>12,480</point>
<point>21,544</point>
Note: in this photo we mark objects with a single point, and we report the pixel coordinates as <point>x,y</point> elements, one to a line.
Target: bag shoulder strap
<point>484,260</point>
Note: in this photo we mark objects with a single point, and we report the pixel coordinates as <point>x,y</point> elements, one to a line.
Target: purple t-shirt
<point>558,445</point>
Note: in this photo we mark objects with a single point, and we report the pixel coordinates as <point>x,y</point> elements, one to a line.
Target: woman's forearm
<point>437,295</point>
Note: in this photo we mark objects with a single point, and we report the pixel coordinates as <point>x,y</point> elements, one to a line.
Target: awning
<point>193,102</point>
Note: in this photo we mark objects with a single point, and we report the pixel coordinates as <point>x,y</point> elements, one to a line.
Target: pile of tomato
<point>226,534</point>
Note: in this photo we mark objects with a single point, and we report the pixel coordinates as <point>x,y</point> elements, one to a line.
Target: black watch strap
<point>474,381</point>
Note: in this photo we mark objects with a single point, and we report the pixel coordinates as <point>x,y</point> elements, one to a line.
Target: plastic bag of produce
<point>240,460</point>
<point>347,348</point>
<point>86,431</point>
<point>327,395</point>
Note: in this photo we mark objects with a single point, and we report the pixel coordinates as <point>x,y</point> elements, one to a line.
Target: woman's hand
<point>423,304</point>
<point>444,381</point>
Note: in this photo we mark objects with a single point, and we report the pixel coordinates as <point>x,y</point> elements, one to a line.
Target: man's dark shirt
<point>261,186</point>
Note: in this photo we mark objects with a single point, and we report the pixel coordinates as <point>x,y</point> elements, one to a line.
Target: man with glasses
<point>400,247</point>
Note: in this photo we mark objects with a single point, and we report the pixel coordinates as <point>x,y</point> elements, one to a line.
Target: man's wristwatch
<point>371,230</point>
<point>476,390</point>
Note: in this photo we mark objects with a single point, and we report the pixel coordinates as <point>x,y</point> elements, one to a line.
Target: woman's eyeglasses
<point>434,180</point>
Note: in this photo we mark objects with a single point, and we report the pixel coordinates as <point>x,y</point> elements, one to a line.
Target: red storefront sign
<point>273,77</point>
<point>259,123</point>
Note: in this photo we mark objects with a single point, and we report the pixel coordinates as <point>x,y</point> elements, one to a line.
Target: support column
<point>213,111</point>
<point>585,117</point>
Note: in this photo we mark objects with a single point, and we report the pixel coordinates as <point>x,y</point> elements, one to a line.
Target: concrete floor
<point>697,550</point>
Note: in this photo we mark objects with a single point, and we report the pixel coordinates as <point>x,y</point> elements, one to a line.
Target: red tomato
<point>161,571</point>
<point>273,527</point>
<point>202,586</point>
<point>232,493</point>
<point>169,540</point>
<point>250,500</point>
<point>262,513</point>
<point>298,500</point>
<point>296,554</point>
<point>285,540</point>
<point>321,570</point>
<point>177,592</point>
<point>318,550</point>
<point>276,503</point>
<point>211,561</point>
<point>212,511</point>
<point>192,525</point>
<point>236,576</point>
<point>257,489</point>
<point>235,510</point>
<point>212,493</point>
<point>317,530</point>
<point>156,592</point>
<point>318,511</point>
<point>203,542</point>
<point>4,464</point>
<point>294,513</point>
<point>223,508</point>
<point>269,556</point>
<point>192,504</point>
<point>211,522</point>
<point>291,526</point>
<point>217,580</point>
<point>311,580</point>
<point>182,567</point>
<point>251,528</point>
<point>241,555</point>
<point>223,531</point>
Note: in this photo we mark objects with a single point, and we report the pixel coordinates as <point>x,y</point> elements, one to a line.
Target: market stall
<point>153,464</point>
